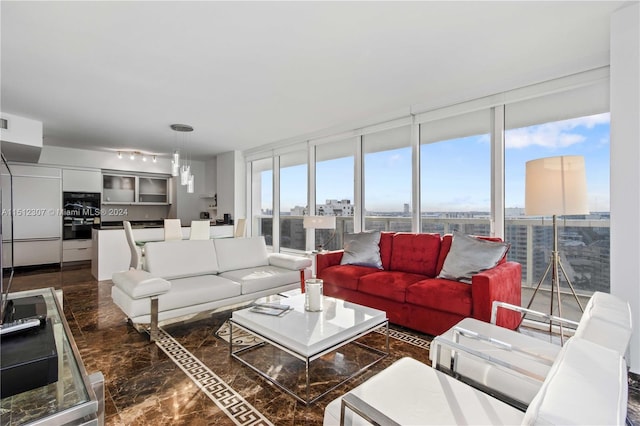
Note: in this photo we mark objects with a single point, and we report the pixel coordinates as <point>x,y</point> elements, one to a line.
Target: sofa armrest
<point>487,356</point>
<point>326,259</point>
<point>524,311</point>
<point>289,261</point>
<point>502,283</point>
<point>501,345</point>
<point>138,284</point>
<point>579,391</point>
<point>351,401</point>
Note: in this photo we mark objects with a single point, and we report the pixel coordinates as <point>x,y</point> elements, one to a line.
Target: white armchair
<point>587,385</point>
<point>519,363</point>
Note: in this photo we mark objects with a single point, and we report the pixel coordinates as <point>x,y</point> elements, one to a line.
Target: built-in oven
<point>81,213</point>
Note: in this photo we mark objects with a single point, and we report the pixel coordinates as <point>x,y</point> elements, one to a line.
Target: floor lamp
<point>320,222</point>
<point>556,186</point>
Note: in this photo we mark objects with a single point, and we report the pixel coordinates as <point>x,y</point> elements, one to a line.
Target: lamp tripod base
<point>555,266</point>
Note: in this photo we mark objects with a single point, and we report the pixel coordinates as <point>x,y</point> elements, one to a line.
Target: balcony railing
<point>584,243</point>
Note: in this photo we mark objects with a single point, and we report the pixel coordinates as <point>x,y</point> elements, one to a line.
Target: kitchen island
<point>111,252</point>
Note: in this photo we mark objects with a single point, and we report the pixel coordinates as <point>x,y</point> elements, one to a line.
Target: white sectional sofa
<point>191,276</point>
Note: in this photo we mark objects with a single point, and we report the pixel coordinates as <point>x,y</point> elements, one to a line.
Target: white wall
<point>22,138</point>
<point>240,199</point>
<point>55,155</point>
<point>187,207</point>
<point>625,170</point>
<point>21,130</point>
<point>210,175</point>
<point>231,184</point>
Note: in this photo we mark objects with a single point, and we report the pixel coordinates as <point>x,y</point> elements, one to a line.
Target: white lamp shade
<point>319,222</point>
<point>185,171</point>
<point>190,184</point>
<point>556,186</point>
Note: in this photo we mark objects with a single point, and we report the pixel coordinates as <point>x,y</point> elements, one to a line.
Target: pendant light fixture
<point>183,170</point>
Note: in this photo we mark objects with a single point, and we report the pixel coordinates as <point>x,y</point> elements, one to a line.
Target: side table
<point>76,398</point>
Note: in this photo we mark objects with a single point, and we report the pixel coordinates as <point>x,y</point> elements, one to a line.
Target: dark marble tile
<point>144,387</point>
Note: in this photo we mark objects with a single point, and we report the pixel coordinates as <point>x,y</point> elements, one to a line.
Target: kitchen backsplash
<point>115,212</point>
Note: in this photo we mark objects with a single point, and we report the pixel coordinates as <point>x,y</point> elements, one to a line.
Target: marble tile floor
<point>144,386</point>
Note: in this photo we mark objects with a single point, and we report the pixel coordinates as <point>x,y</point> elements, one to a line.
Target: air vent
<point>4,124</point>
<point>182,128</point>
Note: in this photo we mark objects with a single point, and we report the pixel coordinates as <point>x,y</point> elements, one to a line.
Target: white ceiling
<point>115,75</point>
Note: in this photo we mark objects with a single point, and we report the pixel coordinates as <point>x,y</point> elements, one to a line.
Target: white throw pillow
<point>469,256</point>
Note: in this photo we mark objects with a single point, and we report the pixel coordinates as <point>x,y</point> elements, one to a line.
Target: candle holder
<point>313,295</point>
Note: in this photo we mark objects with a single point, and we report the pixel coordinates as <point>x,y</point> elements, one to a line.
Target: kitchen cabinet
<point>118,189</point>
<point>81,180</point>
<point>31,252</point>
<point>37,220</point>
<point>135,189</point>
<point>75,250</point>
<point>153,190</point>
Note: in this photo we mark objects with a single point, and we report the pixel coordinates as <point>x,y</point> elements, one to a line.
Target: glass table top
<point>71,398</point>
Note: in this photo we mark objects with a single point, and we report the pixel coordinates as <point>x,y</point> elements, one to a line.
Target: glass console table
<point>75,399</point>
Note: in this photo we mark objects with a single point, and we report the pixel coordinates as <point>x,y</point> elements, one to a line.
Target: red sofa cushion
<point>415,253</point>
<point>442,295</point>
<point>388,284</point>
<point>345,276</point>
<point>386,244</point>
<point>445,246</point>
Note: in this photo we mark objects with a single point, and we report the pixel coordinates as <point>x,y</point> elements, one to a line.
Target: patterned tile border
<point>228,400</point>
<point>240,337</point>
<point>407,338</point>
<point>244,338</point>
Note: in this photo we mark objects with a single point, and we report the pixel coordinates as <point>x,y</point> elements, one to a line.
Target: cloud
<point>559,134</point>
<point>395,159</point>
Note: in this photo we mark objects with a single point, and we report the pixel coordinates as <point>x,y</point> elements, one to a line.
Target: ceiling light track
<point>138,154</point>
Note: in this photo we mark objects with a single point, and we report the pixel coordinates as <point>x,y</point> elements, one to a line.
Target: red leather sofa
<point>409,292</point>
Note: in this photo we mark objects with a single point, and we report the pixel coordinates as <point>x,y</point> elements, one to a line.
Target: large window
<point>262,198</point>
<point>334,189</point>
<point>372,188</point>
<point>455,174</point>
<point>293,199</point>
<point>583,241</point>
<point>387,180</point>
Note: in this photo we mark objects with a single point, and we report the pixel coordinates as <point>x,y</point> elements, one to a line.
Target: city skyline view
<point>455,174</point>
<point>455,193</point>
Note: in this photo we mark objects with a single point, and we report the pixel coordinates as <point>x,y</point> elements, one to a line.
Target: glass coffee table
<point>307,337</point>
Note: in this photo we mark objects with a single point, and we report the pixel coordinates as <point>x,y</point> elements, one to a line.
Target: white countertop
<point>111,252</point>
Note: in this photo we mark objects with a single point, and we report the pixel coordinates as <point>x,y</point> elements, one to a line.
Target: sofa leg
<point>153,332</point>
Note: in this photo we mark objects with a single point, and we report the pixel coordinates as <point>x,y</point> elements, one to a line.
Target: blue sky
<point>455,174</point>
